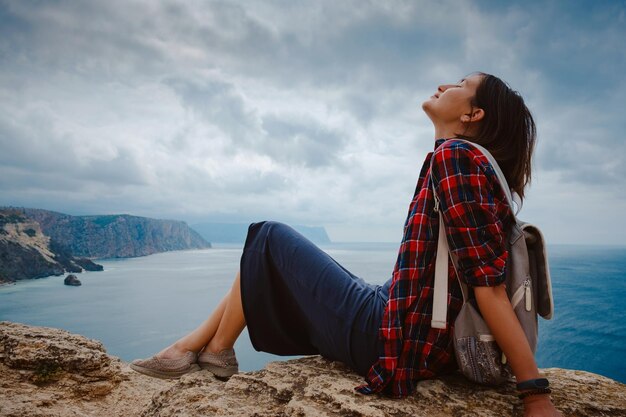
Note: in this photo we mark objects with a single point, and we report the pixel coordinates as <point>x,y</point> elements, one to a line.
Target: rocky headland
<point>51,372</point>
<point>117,235</point>
<point>26,252</point>
<point>38,243</point>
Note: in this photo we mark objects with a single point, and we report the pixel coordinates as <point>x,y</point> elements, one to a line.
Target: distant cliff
<point>236,232</point>
<point>25,252</point>
<point>115,236</point>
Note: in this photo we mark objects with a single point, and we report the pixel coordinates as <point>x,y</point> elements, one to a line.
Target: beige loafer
<point>166,368</point>
<point>223,364</point>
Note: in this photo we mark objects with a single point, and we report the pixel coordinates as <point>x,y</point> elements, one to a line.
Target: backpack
<point>528,287</point>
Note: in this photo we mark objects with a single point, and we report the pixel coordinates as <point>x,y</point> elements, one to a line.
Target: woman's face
<point>452,101</point>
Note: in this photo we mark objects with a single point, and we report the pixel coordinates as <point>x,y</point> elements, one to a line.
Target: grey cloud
<point>307,142</point>
<point>331,48</point>
<point>15,180</point>
<point>284,138</point>
<point>370,45</point>
<point>582,142</point>
<point>123,169</point>
<point>361,106</point>
<point>369,50</point>
<point>591,161</point>
<point>192,180</point>
<point>92,39</point>
<point>220,104</point>
<point>42,155</point>
<point>258,184</point>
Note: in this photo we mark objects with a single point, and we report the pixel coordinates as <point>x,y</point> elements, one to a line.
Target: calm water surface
<point>138,306</point>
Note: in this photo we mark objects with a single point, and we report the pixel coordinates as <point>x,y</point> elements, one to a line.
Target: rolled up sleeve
<point>476,234</point>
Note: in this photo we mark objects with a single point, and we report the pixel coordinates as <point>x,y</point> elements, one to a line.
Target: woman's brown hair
<point>507,130</point>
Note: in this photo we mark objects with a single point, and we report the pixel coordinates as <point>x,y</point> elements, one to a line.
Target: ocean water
<point>138,306</point>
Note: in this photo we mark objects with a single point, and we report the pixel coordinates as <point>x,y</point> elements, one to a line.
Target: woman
<point>295,299</point>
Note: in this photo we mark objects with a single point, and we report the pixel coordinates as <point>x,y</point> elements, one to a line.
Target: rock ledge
<point>51,372</point>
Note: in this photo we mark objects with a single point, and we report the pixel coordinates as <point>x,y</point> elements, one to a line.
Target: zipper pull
<point>527,295</point>
<point>436,203</point>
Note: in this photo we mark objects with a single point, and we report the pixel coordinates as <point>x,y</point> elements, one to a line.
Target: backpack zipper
<point>527,294</point>
<point>523,291</point>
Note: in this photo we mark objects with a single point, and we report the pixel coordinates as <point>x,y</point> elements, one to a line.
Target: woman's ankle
<point>216,347</point>
<point>173,351</point>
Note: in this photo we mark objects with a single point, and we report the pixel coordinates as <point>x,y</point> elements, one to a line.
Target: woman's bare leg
<point>226,323</point>
<point>232,323</point>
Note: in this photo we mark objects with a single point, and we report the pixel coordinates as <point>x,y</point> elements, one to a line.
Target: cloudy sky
<point>307,112</point>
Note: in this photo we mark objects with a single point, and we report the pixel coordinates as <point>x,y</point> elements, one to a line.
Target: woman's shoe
<point>166,368</point>
<point>223,364</point>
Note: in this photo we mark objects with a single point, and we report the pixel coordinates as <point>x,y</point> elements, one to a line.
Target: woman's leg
<point>232,323</point>
<point>219,331</point>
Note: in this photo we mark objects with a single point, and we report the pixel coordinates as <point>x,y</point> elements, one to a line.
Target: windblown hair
<point>507,130</point>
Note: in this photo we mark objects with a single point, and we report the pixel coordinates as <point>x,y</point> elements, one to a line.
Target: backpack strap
<point>440,290</point>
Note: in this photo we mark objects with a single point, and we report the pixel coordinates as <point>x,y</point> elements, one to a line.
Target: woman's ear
<point>476,115</point>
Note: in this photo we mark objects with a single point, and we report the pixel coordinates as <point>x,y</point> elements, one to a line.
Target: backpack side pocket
<point>539,270</point>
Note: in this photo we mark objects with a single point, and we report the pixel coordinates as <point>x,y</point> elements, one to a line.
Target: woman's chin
<point>427,105</point>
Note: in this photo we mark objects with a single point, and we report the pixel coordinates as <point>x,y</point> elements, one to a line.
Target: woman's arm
<point>498,313</point>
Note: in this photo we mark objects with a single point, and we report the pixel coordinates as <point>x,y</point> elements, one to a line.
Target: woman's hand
<point>540,406</point>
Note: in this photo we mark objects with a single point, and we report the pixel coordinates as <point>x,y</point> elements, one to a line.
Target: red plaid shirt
<point>476,216</point>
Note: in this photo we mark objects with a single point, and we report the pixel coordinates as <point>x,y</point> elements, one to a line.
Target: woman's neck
<point>445,132</point>
<point>449,131</point>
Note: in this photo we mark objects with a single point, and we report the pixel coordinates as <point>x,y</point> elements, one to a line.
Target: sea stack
<point>72,280</point>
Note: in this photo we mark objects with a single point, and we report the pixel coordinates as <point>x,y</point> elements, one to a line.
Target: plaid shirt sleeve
<point>464,182</point>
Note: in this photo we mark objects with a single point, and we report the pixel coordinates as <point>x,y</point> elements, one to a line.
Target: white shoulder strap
<point>440,292</point>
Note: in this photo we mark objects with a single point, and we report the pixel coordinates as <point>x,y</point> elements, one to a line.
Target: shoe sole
<point>219,371</point>
<point>164,374</point>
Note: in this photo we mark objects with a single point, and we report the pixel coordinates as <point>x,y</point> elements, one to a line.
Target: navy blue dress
<point>297,300</point>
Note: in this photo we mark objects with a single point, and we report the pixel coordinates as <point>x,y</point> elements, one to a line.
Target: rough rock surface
<point>50,372</point>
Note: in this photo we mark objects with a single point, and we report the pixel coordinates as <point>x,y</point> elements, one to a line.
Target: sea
<point>137,306</point>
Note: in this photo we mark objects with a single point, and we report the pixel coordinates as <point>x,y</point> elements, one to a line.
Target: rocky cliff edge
<point>51,372</point>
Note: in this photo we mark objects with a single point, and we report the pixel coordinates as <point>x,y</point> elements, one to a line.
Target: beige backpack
<point>528,287</point>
